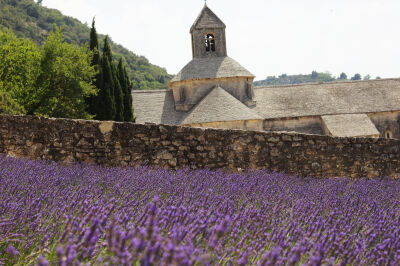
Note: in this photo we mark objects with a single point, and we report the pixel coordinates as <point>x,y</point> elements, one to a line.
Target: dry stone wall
<point>123,144</point>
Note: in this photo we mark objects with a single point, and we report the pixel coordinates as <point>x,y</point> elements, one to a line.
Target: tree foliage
<point>8,105</point>
<point>52,80</point>
<point>285,79</point>
<point>343,76</point>
<point>118,96</point>
<point>65,79</point>
<point>114,100</point>
<point>367,77</point>
<point>94,44</point>
<point>29,20</point>
<point>126,86</point>
<point>19,69</point>
<point>106,104</point>
<point>356,77</point>
<point>314,77</point>
<point>314,74</point>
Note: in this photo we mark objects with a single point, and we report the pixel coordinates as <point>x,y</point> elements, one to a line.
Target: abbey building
<point>213,90</point>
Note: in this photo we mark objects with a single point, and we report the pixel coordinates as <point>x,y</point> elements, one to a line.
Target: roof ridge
<point>202,12</point>
<point>251,114</point>
<point>148,91</point>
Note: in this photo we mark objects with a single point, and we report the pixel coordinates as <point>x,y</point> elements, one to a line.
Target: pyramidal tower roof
<point>213,67</point>
<point>207,19</point>
<point>219,106</point>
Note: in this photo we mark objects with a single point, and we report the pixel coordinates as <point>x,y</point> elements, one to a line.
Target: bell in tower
<point>208,35</point>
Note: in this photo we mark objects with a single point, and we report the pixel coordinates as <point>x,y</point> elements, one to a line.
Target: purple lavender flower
<point>86,214</point>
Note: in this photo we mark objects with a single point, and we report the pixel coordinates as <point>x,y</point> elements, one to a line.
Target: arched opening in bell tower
<point>388,134</point>
<point>210,42</point>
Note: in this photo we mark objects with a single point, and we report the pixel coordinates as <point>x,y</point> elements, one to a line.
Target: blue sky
<point>268,37</point>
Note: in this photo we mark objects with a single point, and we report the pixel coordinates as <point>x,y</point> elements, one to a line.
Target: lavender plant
<point>86,214</point>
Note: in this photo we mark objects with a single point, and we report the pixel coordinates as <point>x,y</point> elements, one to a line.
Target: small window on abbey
<point>388,134</point>
<point>182,94</point>
<point>210,42</point>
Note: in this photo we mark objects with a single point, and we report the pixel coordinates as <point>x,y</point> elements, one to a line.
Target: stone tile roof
<point>207,19</point>
<point>328,98</point>
<point>212,67</point>
<point>350,125</point>
<point>282,101</point>
<point>219,106</point>
<point>155,107</point>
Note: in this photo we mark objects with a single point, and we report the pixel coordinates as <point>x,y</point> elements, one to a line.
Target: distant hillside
<point>29,20</point>
<point>314,77</point>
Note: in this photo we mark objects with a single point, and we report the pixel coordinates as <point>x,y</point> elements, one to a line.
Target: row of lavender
<point>88,214</point>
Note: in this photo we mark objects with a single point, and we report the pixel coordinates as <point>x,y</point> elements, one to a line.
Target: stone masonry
<point>127,144</point>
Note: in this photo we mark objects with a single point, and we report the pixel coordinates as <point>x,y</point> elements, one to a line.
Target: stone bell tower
<point>208,35</point>
<point>210,69</point>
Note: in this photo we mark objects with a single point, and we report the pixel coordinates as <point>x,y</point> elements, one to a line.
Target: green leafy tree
<point>367,77</point>
<point>296,79</point>
<point>161,79</point>
<point>356,77</point>
<point>19,70</point>
<point>19,66</point>
<point>378,77</point>
<point>314,74</point>
<point>8,105</point>
<point>343,76</point>
<point>65,80</point>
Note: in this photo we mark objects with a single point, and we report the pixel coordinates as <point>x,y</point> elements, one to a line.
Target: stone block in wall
<point>273,139</point>
<point>286,138</point>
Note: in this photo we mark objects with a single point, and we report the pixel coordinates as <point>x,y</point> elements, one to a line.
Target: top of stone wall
<point>188,129</point>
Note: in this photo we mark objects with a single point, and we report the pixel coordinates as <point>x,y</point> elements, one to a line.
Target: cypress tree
<point>107,85</point>
<point>118,96</point>
<point>113,84</point>
<point>94,44</point>
<point>99,109</point>
<point>126,86</point>
<point>107,110</point>
<point>93,103</point>
<point>107,49</point>
<point>129,115</point>
<point>109,103</point>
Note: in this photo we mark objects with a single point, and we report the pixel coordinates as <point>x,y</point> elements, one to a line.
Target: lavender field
<point>81,214</point>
